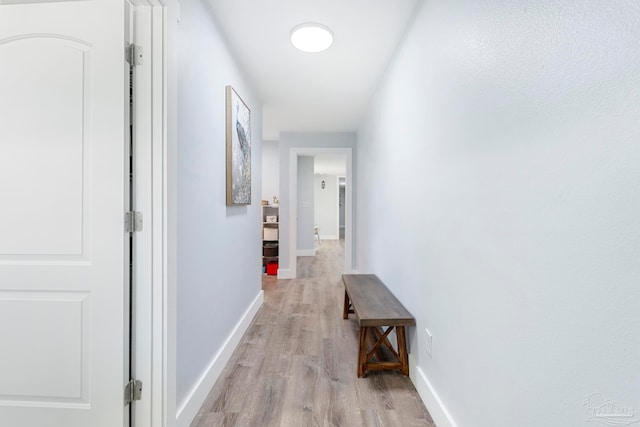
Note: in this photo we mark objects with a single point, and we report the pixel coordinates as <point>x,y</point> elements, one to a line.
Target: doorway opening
<point>295,205</point>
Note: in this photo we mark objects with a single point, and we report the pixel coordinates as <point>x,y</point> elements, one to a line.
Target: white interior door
<point>62,203</point>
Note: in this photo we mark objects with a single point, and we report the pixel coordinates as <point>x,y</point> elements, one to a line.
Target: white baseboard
<point>189,408</point>
<point>285,273</point>
<point>306,252</point>
<point>329,237</point>
<point>439,413</point>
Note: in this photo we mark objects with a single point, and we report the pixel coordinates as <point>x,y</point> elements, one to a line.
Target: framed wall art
<point>238,150</point>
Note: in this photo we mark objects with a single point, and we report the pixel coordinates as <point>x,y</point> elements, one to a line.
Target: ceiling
<point>313,92</point>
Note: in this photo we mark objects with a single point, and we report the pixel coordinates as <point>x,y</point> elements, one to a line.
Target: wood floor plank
<point>296,364</point>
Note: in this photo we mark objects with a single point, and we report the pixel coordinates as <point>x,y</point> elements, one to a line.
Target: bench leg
<point>362,353</point>
<point>402,351</point>
<point>347,306</point>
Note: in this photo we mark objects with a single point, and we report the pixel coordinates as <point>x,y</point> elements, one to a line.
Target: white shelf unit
<point>270,234</point>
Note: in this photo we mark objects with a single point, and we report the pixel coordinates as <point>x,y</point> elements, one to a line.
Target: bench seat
<point>376,309</point>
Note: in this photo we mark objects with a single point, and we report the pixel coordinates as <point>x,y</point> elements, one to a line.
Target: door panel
<point>55,370</point>
<point>47,155</point>
<point>62,241</point>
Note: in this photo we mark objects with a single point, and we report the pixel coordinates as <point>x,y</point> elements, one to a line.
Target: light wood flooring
<point>296,365</point>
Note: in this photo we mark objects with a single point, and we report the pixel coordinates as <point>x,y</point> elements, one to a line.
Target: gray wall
<point>305,206</point>
<point>498,196</point>
<point>270,170</point>
<point>218,246</point>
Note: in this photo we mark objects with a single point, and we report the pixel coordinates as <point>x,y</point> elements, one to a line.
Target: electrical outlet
<point>429,343</point>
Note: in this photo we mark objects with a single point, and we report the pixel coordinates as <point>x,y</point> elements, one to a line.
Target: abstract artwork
<point>238,150</point>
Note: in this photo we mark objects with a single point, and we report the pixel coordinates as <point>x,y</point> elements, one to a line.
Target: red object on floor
<point>272,268</point>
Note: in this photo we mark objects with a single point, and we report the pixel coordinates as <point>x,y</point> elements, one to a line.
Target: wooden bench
<point>376,308</point>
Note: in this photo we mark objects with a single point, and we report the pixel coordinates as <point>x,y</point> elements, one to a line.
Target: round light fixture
<point>311,37</point>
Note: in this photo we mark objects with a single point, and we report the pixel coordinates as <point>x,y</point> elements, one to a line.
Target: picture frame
<point>238,135</point>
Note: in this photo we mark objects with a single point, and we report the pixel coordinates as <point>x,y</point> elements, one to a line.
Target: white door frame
<point>293,202</point>
<point>150,114</point>
<point>345,202</point>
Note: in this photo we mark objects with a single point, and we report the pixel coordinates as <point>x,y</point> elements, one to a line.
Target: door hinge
<point>132,391</point>
<point>133,221</point>
<point>133,54</point>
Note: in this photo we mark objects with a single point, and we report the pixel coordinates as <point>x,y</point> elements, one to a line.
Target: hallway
<point>296,365</point>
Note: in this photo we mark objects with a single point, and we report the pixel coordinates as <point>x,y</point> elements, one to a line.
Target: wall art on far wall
<point>238,150</point>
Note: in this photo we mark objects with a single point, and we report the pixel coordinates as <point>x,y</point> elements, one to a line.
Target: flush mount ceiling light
<point>311,37</point>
